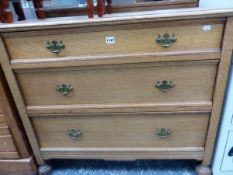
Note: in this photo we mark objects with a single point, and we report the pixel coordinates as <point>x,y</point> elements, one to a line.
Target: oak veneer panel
<point>193,55</point>
<point>3,125</point>
<point>124,153</point>
<point>8,155</point>
<point>1,104</point>
<point>188,130</point>
<point>18,167</point>
<point>1,107</point>
<point>2,118</point>
<point>4,130</point>
<point>89,109</point>
<point>122,84</point>
<point>127,41</point>
<point>7,144</point>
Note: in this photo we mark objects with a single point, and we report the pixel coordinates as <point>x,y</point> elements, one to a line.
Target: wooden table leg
<point>38,5</point>
<point>5,14</point>
<point>101,8</point>
<point>109,6</point>
<point>1,15</point>
<point>18,10</point>
<point>90,8</point>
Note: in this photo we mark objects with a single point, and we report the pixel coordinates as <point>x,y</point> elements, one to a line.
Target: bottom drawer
<point>120,131</point>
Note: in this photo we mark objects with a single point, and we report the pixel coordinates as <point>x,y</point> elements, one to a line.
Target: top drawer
<point>86,42</point>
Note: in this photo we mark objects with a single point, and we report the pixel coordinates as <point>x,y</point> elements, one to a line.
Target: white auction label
<point>207,28</point>
<point>110,40</point>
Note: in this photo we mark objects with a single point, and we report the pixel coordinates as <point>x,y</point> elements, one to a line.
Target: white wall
<point>216,3</point>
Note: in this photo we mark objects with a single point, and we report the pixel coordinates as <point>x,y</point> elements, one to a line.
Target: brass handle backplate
<point>64,89</point>
<point>55,46</point>
<point>73,133</point>
<point>166,40</point>
<point>163,132</point>
<point>164,85</point>
<point>230,153</point>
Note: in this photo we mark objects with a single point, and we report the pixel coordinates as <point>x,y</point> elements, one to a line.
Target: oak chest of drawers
<point>140,86</point>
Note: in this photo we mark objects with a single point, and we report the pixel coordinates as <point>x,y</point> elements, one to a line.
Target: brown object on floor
<point>15,157</point>
<point>90,8</point>
<point>5,14</point>
<point>101,8</point>
<point>38,5</point>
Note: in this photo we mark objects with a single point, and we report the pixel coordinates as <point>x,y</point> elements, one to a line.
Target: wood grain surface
<point>114,96</point>
<point>123,84</point>
<point>122,131</point>
<point>126,41</point>
<point>18,167</point>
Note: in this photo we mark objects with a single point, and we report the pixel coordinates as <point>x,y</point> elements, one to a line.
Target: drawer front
<point>9,155</point>
<point>1,106</point>
<point>2,118</point>
<point>4,129</point>
<point>145,130</point>
<point>116,42</point>
<point>6,140</point>
<point>142,83</point>
<point>6,144</point>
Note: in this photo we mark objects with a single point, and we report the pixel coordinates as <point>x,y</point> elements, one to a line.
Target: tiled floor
<point>143,167</point>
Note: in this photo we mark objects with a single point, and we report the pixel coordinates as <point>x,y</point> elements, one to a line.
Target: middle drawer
<point>120,84</point>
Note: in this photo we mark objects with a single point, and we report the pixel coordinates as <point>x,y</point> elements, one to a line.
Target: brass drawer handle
<point>64,89</point>
<point>163,132</point>
<point>55,46</point>
<point>73,133</point>
<point>164,85</point>
<point>166,40</point>
<point>230,152</point>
